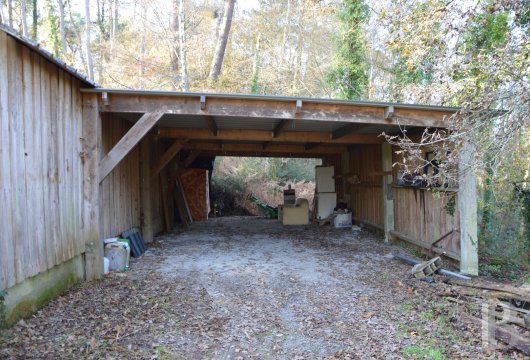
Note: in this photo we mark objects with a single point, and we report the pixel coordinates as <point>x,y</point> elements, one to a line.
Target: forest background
<point>471,54</point>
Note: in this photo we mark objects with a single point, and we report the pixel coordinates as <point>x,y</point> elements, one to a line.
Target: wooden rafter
<point>280,127</point>
<point>194,154</point>
<point>212,125</point>
<point>167,157</point>
<point>271,148</point>
<point>265,136</point>
<point>309,146</point>
<point>127,143</point>
<point>346,130</point>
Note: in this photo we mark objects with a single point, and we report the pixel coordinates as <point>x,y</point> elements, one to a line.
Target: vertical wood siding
<point>367,194</point>
<point>40,167</point>
<point>120,191</point>
<point>422,216</point>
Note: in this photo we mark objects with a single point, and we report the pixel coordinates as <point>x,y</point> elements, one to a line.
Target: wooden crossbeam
<point>191,157</point>
<point>127,143</point>
<point>280,127</point>
<point>212,125</point>
<point>265,144</point>
<point>266,136</point>
<point>255,109</point>
<point>310,146</point>
<point>261,154</point>
<point>272,148</point>
<point>346,130</point>
<point>167,157</point>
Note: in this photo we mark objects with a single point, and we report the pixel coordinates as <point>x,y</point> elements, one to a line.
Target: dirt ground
<point>247,287</point>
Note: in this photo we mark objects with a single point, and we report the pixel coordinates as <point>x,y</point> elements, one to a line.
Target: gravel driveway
<point>246,287</point>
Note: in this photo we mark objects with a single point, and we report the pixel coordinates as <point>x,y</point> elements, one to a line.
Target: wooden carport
<point>343,133</point>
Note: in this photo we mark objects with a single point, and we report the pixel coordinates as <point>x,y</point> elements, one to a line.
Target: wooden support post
<point>91,231</point>
<point>166,157</point>
<point>146,186</point>
<point>164,197</point>
<point>127,142</point>
<point>467,206</point>
<point>388,201</point>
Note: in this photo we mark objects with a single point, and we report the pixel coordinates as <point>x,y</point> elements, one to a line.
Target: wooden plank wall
<point>156,194</point>
<point>421,215</point>
<point>40,167</point>
<point>367,189</point>
<point>120,191</point>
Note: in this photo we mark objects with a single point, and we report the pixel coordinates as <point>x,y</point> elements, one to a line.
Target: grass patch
<point>420,352</point>
<point>405,307</point>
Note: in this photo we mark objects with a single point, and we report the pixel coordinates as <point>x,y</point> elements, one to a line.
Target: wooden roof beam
<point>260,154</point>
<point>309,146</point>
<point>265,136</point>
<point>272,148</point>
<point>280,127</point>
<point>255,108</point>
<point>127,143</point>
<point>170,153</point>
<point>346,130</point>
<point>194,154</point>
<point>212,125</point>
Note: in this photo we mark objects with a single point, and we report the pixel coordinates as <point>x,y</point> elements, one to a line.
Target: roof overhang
<point>256,125</point>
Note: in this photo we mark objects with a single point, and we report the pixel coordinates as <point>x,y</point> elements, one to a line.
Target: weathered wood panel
<point>366,187</point>
<point>120,190</point>
<point>421,215</point>
<point>40,169</point>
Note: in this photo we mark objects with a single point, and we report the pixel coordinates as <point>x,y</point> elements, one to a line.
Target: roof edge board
<point>378,104</point>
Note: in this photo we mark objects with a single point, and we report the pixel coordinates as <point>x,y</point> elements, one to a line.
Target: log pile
<point>501,310</point>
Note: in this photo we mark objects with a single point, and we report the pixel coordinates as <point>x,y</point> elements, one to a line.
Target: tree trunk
<point>141,55</point>
<point>10,13</point>
<point>174,55</point>
<point>78,37</point>
<point>90,65</point>
<point>54,28</point>
<point>35,19</point>
<point>220,48</point>
<point>254,85</point>
<point>23,10</point>
<point>61,26</point>
<point>113,25</point>
<point>182,44</point>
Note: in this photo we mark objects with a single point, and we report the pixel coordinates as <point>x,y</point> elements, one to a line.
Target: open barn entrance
<point>236,180</point>
<point>161,135</point>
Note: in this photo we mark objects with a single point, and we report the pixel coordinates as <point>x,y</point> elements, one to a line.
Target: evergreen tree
<point>349,76</point>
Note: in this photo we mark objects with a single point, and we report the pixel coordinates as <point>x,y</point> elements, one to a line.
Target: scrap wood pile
<point>503,310</point>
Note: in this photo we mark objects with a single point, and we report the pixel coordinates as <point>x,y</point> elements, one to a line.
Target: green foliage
<point>348,76</point>
<point>421,352</point>
<point>3,294</point>
<point>486,31</point>
<point>54,28</point>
